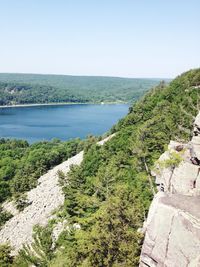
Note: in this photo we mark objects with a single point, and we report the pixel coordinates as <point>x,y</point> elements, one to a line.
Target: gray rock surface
<point>173,232</point>
<point>182,179</point>
<point>10,207</point>
<point>172,237</point>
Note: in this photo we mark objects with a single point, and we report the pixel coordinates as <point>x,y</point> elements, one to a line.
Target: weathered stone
<point>173,232</point>
<point>172,236</point>
<point>58,229</point>
<point>184,178</point>
<point>197,120</point>
<point>10,207</point>
<point>196,145</point>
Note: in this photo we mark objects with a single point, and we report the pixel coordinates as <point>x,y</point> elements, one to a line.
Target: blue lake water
<point>64,121</point>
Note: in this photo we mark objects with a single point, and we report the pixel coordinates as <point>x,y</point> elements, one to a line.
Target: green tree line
<point>32,88</point>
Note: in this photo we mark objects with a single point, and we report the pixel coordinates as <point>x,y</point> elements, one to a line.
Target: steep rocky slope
<point>44,199</point>
<point>172,236</point>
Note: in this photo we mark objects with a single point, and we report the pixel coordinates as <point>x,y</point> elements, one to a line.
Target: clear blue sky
<point>130,38</point>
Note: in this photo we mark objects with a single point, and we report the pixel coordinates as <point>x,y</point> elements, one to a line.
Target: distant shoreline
<point>60,104</point>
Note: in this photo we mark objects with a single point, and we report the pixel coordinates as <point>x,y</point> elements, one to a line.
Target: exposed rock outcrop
<point>172,237</point>
<point>44,199</point>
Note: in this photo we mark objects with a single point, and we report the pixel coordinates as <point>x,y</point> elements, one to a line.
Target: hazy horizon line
<point>87,75</point>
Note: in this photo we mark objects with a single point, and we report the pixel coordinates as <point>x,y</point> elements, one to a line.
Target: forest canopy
<point>33,88</point>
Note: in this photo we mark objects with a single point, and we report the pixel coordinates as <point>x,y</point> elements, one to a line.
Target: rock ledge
<point>172,237</point>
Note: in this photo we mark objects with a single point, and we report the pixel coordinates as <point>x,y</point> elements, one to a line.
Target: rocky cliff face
<point>172,230</point>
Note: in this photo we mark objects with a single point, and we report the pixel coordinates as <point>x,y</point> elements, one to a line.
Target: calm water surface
<point>63,122</point>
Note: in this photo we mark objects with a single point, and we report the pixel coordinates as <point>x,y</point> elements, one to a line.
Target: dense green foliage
<point>22,164</point>
<point>41,252</point>
<point>32,88</point>
<point>4,216</point>
<point>5,259</point>
<point>108,196</point>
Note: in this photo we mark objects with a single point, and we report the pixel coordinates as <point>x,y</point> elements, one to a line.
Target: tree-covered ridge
<point>108,196</point>
<point>32,88</point>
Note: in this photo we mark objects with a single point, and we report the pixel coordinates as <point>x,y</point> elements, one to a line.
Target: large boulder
<point>173,232</point>
<point>184,179</point>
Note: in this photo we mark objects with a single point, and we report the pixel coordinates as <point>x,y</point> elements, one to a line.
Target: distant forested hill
<point>35,88</point>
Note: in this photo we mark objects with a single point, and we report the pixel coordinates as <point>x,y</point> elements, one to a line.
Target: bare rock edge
<point>172,229</point>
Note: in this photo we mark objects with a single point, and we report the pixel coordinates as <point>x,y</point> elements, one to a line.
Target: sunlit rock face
<point>172,237</point>
<point>173,232</point>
